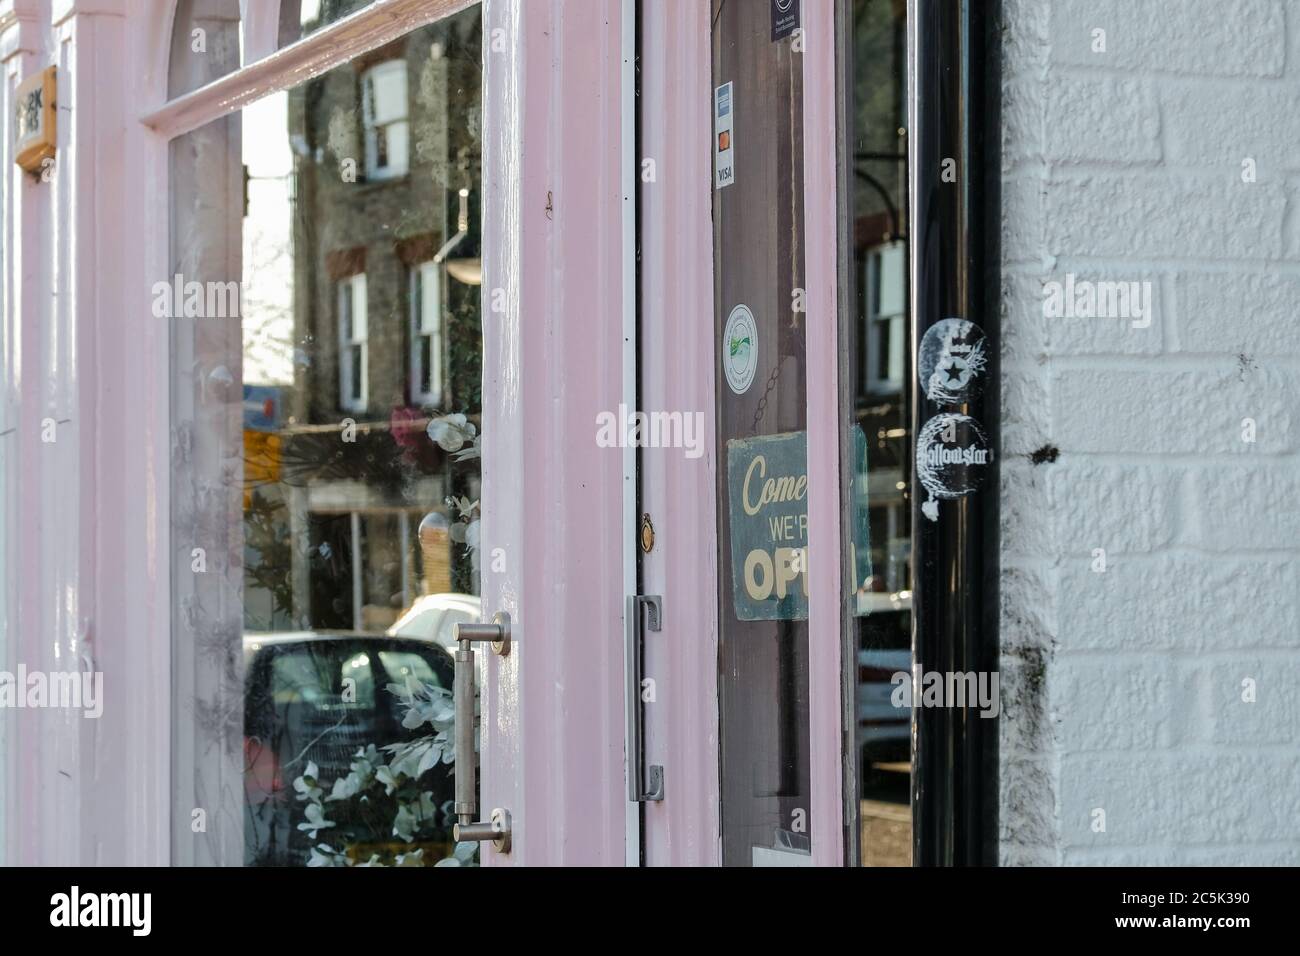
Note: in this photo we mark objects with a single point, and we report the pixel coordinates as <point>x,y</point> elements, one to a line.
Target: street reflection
<point>329,453</point>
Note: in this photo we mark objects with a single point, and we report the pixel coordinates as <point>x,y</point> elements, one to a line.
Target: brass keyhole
<point>647,534</point>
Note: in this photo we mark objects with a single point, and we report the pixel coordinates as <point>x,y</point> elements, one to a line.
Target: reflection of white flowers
<point>315,821</point>
<point>462,855</point>
<point>410,814</point>
<point>363,772</point>
<point>455,434</point>
<point>398,769</point>
<point>306,784</point>
<point>466,529</point>
<point>326,855</point>
<point>464,507</point>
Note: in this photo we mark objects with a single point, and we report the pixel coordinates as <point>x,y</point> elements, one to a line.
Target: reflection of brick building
<point>386,326</point>
<point>384,146</point>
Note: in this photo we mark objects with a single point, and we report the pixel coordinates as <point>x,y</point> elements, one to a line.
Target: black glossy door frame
<point>954,127</point>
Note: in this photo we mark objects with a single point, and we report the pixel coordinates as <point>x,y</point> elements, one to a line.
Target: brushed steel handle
<point>643,783</point>
<point>497,829</point>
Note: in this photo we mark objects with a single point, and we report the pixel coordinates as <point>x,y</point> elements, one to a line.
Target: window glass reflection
<point>325,458</point>
<point>880,383</point>
<point>763,647</point>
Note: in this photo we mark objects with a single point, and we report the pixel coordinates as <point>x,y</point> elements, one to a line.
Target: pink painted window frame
<point>145,758</point>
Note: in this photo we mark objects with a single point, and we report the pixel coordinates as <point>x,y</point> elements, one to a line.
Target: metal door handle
<point>643,783</point>
<point>497,828</point>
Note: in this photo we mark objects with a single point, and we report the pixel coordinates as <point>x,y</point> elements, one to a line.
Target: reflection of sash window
<point>426,334</point>
<point>885,280</point>
<point>353,346</point>
<point>384,113</point>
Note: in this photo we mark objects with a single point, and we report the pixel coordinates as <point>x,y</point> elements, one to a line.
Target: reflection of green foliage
<point>879,51</point>
<point>462,44</point>
<point>266,533</point>
<point>383,812</point>
<point>465,349</point>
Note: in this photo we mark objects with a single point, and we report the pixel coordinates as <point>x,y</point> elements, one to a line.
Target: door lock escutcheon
<point>496,829</point>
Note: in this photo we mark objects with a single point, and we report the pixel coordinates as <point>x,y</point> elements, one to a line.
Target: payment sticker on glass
<point>723,147</point>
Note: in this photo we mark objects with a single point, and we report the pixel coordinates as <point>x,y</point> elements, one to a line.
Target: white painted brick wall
<point>1123,689</point>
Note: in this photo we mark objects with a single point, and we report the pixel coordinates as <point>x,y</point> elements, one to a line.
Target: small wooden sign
<point>34,114</point>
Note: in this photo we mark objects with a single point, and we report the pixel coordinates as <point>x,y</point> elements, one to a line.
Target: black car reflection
<point>318,698</point>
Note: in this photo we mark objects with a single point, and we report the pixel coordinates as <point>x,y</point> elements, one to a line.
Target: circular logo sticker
<point>740,349</point>
<point>951,361</point>
<point>952,459</point>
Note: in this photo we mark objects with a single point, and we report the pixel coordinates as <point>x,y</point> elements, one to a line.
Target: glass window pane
<point>426,364</point>
<point>387,92</point>
<point>316,508</point>
<point>397,137</point>
<point>876,436</point>
<point>892,278</point>
<point>430,304</point>
<point>762,453</point>
<point>360,307</point>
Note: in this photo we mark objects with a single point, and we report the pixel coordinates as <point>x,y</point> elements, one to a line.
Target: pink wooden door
<point>742,704</point>
<point>677,374</point>
<point>554,535</point>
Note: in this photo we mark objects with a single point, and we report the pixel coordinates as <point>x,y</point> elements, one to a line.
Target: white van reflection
<point>434,618</point>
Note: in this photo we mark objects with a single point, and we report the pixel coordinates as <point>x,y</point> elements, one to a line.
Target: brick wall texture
<point>1152,709</point>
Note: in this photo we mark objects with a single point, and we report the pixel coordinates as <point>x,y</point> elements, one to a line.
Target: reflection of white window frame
<point>385,117</point>
<point>354,349</point>
<point>886,317</point>
<point>426,329</point>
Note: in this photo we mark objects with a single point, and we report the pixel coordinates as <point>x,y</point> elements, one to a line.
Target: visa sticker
<point>723,145</point>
